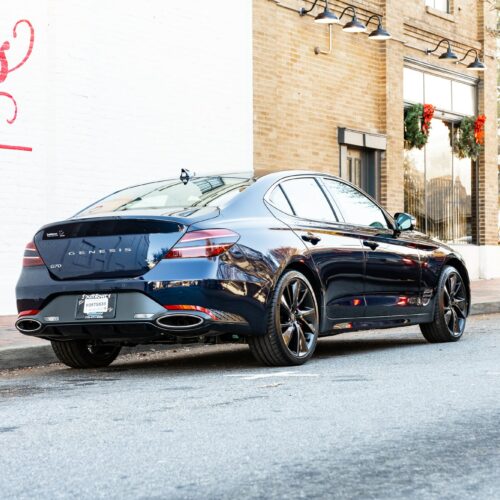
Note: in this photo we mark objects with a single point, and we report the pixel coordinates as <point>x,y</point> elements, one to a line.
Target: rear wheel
<point>450,314</point>
<point>293,324</point>
<point>84,354</point>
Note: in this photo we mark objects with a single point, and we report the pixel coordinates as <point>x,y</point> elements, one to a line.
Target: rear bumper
<point>138,319</point>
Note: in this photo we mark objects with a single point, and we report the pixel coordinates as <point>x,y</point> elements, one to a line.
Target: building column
<point>392,175</point>
<point>488,164</point>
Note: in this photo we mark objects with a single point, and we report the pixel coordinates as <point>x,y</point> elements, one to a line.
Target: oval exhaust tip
<point>180,321</point>
<point>29,325</point>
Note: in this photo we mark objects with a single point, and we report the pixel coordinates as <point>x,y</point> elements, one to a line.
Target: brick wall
<point>300,98</point>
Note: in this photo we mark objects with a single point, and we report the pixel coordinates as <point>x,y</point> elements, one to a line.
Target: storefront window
<point>438,184</point>
<point>438,188</point>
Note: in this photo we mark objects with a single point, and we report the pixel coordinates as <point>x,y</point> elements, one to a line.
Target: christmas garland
<point>418,120</point>
<point>469,137</point>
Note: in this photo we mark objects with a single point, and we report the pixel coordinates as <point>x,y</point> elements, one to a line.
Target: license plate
<point>96,306</point>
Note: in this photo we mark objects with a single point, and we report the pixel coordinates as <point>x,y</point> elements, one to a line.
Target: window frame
<point>341,221</point>
<point>389,219</point>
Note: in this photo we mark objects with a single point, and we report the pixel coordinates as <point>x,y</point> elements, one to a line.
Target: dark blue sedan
<point>276,262</point>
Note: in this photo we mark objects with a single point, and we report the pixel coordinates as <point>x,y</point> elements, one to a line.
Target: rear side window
<point>356,208</point>
<point>307,199</point>
<point>278,199</point>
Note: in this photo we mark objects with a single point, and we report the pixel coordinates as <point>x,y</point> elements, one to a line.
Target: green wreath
<point>465,144</point>
<point>416,131</point>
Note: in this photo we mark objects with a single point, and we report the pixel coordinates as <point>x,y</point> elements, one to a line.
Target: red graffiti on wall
<point>5,70</point>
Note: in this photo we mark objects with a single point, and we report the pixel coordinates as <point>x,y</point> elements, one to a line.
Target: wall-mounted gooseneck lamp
<point>325,17</point>
<point>449,55</point>
<point>477,64</point>
<point>353,26</point>
<point>380,33</point>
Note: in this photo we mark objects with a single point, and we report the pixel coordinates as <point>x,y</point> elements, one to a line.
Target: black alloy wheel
<point>293,324</point>
<point>451,309</point>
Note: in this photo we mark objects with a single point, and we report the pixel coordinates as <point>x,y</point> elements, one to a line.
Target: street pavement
<point>380,415</point>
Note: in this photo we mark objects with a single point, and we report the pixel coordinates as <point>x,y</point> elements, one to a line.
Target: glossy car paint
<point>363,277</point>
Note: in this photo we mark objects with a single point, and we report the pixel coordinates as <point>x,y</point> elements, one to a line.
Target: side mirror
<point>404,222</point>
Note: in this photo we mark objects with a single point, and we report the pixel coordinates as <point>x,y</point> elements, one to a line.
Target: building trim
<point>350,137</point>
<point>413,63</point>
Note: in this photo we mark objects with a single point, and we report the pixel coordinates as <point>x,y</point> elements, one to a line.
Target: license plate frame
<point>95,306</point>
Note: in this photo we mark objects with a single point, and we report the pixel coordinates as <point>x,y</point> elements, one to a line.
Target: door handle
<point>311,238</point>
<point>370,244</point>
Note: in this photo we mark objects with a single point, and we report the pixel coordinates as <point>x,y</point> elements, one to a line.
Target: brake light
<point>29,312</point>
<point>183,307</point>
<point>31,256</point>
<point>204,243</point>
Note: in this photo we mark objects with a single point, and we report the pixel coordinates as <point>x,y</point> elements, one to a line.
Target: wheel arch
<point>459,265</point>
<point>303,268</point>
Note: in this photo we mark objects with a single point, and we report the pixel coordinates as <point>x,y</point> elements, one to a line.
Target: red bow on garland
<point>479,129</point>
<point>427,118</point>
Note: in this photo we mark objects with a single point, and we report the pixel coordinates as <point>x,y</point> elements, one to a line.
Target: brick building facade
<point>304,101</point>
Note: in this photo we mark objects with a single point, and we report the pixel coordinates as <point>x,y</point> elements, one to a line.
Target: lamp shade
<point>380,34</point>
<point>449,55</point>
<point>477,65</point>
<point>326,17</point>
<point>354,26</point>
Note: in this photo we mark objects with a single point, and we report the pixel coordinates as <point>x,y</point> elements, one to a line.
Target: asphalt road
<point>373,415</point>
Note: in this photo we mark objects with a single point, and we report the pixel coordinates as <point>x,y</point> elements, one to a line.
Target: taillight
<point>29,312</point>
<point>31,256</point>
<point>204,243</point>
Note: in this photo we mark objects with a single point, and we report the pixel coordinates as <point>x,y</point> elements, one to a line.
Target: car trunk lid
<point>112,247</point>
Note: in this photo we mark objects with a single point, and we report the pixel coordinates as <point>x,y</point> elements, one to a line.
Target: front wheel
<point>84,354</point>
<point>450,313</point>
<point>293,324</point>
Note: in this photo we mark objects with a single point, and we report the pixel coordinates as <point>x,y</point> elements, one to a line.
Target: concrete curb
<point>485,308</point>
<point>30,356</point>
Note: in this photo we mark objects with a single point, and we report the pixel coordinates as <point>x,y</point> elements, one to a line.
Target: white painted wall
<point>483,262</point>
<point>116,93</point>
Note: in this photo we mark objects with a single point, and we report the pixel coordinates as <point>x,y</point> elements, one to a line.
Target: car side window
<point>308,200</point>
<point>355,206</point>
<point>278,199</point>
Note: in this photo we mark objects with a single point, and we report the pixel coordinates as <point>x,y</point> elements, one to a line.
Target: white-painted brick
<point>117,93</point>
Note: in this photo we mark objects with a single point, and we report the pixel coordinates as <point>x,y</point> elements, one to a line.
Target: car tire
<point>450,309</point>
<point>293,324</point>
<point>84,354</point>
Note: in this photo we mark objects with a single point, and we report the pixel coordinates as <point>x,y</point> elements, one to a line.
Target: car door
<point>335,249</point>
<point>393,261</point>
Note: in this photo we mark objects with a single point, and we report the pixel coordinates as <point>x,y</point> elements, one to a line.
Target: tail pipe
<point>180,321</point>
<point>27,325</point>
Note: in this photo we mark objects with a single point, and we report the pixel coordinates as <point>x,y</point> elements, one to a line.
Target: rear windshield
<point>198,192</point>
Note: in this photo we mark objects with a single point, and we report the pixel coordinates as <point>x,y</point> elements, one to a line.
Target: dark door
<point>335,249</point>
<point>393,267</point>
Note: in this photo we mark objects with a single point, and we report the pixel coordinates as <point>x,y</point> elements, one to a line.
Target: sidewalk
<point>19,351</point>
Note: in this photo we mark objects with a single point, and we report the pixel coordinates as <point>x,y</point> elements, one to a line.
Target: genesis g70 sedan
<point>276,262</point>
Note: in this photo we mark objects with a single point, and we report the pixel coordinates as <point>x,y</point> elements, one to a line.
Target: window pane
<point>279,200</point>
<point>438,91</point>
<point>462,203</point>
<point>355,206</point>
<point>464,98</point>
<point>413,86</point>
<point>441,5</point>
<point>414,165</point>
<point>439,182</point>
<point>438,4</point>
<point>307,199</point>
